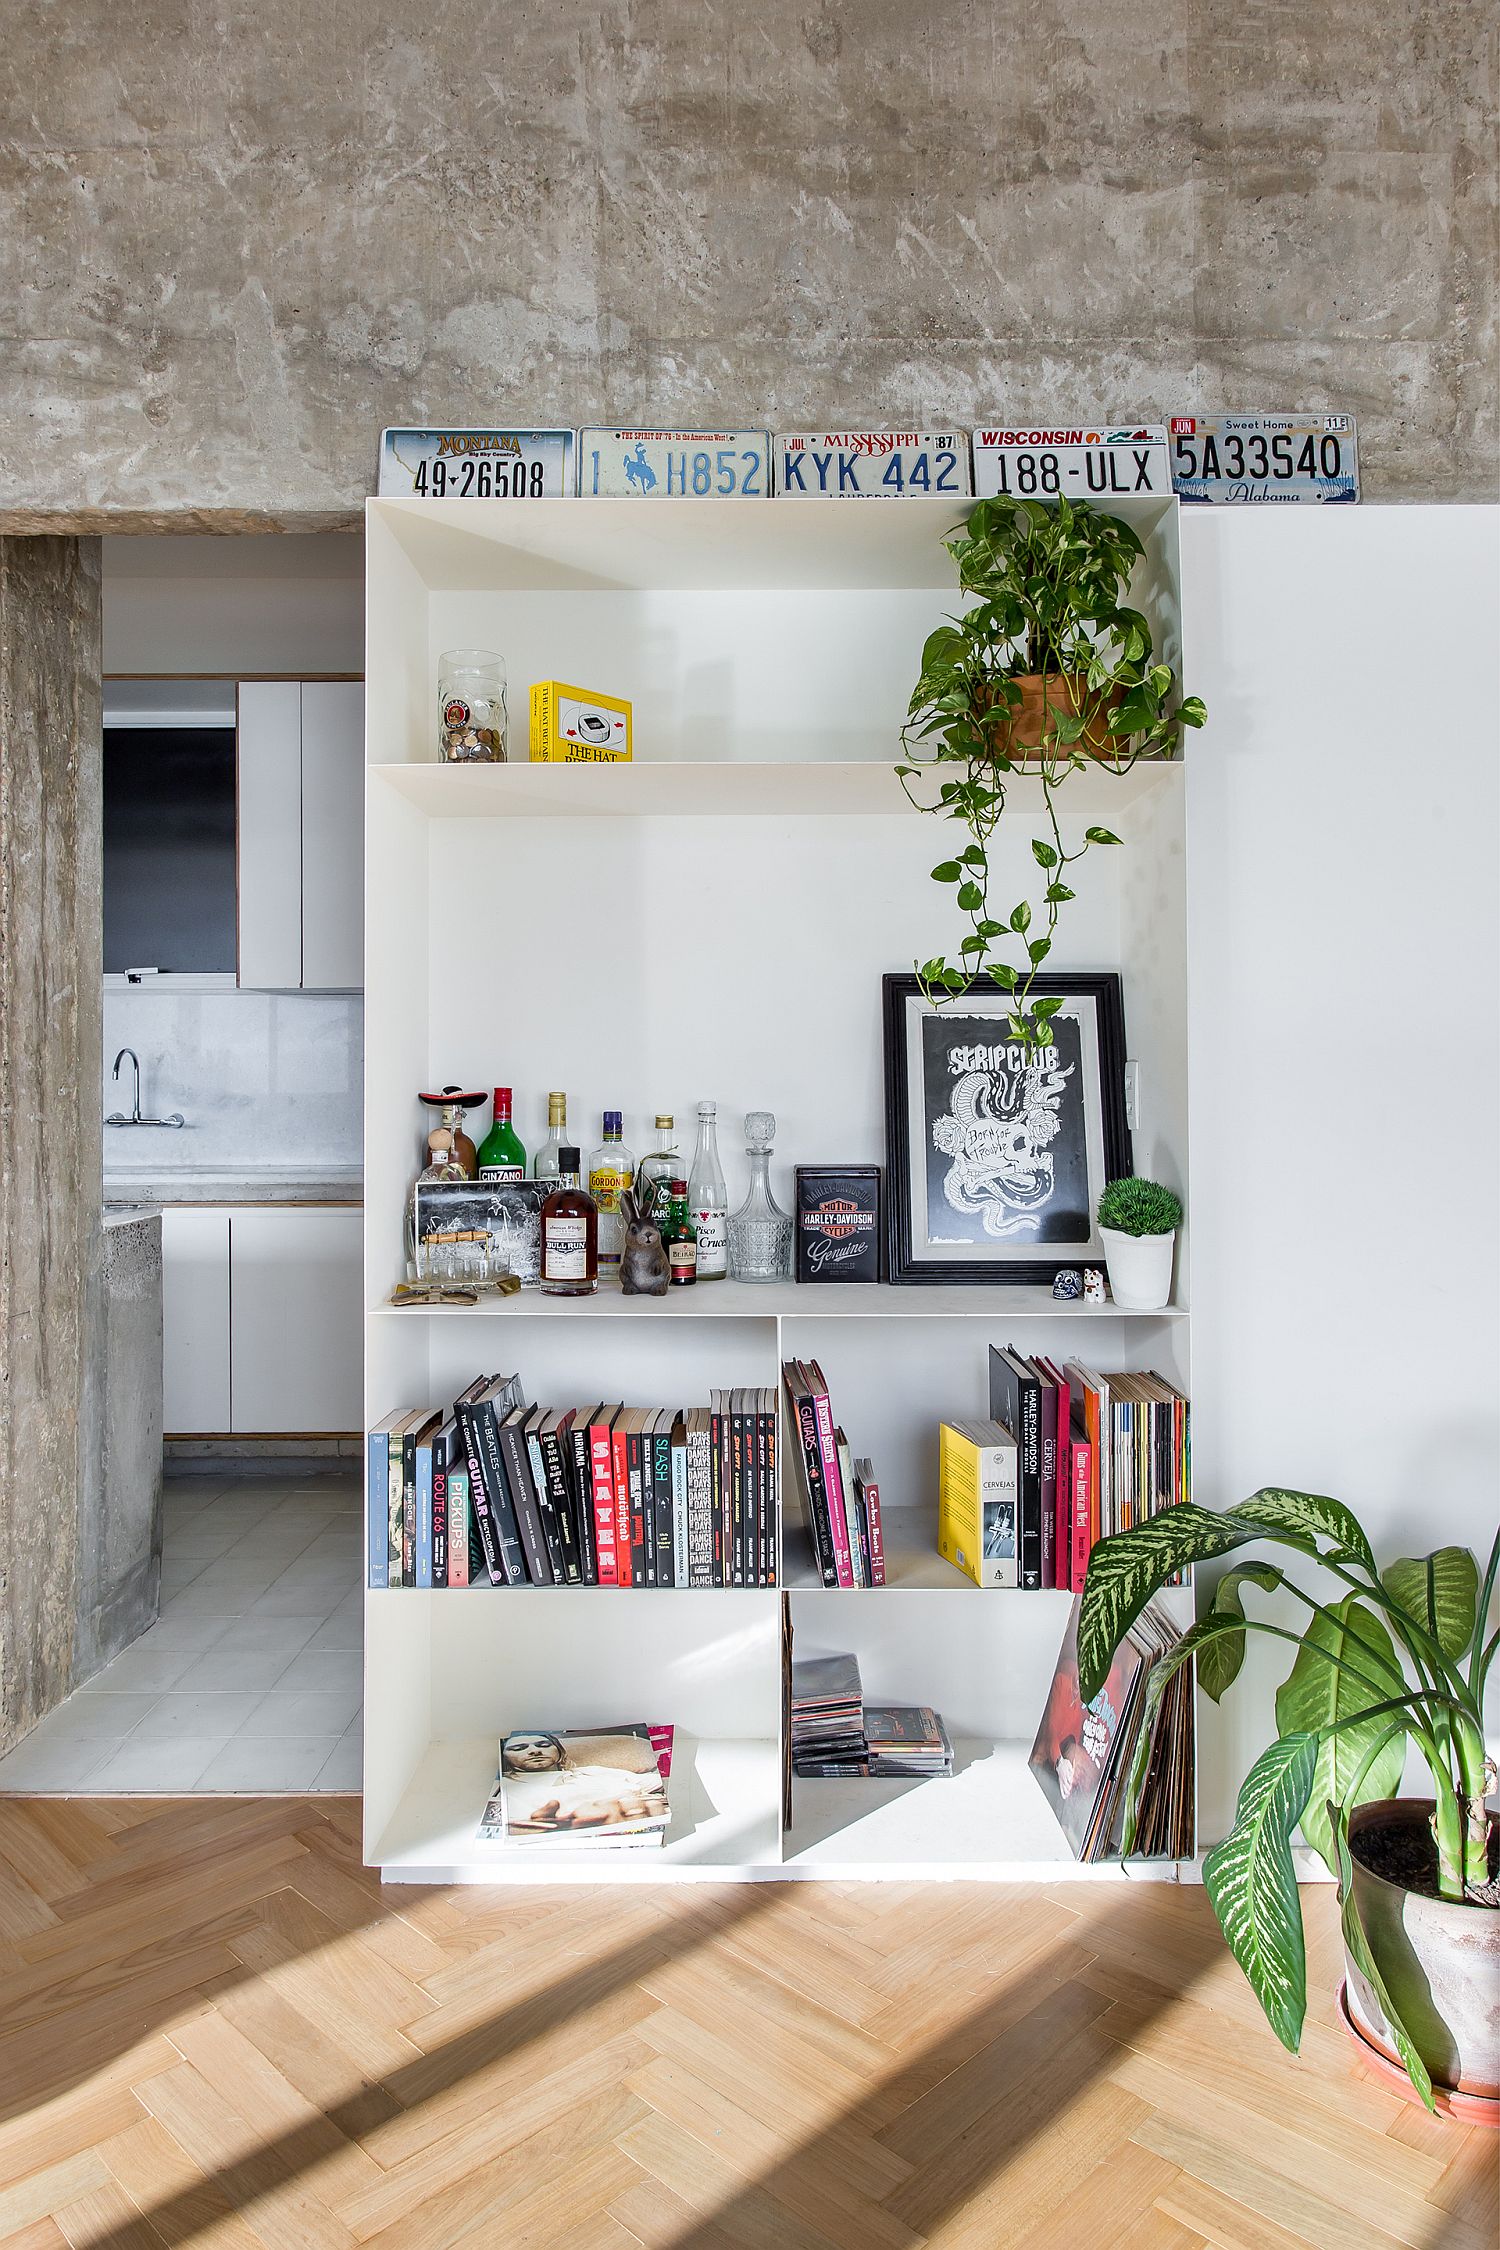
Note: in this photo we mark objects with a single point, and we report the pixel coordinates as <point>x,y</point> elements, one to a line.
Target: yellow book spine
<point>958,1502</point>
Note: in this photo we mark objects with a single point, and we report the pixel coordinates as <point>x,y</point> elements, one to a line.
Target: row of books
<point>836,1735</point>
<point>1087,1757</point>
<point>1067,1457</point>
<point>580,1789</point>
<point>840,1497</point>
<point>495,1491</point>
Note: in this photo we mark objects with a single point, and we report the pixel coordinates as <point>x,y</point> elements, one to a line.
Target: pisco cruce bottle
<point>708,1198</point>
<point>570,1234</point>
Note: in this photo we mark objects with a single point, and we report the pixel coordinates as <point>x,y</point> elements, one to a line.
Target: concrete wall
<point>50,941</point>
<point>237,241</point>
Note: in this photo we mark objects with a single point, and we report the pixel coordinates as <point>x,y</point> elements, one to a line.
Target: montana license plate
<point>1228,459</point>
<point>674,464</point>
<point>476,464</point>
<point>1073,464</point>
<point>871,465</point>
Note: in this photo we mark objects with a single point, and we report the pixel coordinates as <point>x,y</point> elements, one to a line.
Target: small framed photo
<point>996,1152</point>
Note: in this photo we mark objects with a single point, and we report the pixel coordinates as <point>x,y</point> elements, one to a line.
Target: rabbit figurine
<point>643,1258</point>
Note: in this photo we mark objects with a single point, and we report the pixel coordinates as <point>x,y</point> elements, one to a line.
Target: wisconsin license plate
<point>476,464</point>
<point>674,464</point>
<point>1228,459</point>
<point>871,465</point>
<point>1101,464</point>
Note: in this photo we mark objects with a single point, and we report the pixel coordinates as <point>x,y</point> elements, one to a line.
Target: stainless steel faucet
<point>135,1117</point>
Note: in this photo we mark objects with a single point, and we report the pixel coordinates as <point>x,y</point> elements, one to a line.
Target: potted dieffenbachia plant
<point>1397,1661</point>
<point>1044,673</point>
<point>1138,1220</point>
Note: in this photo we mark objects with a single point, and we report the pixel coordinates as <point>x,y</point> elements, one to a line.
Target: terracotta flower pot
<point>1047,697</point>
<point>1440,1961</point>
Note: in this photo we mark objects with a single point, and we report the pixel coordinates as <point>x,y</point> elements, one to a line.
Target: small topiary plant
<point>1139,1207</point>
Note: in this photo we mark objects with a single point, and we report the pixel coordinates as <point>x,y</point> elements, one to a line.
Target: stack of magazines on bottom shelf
<point>1084,1754</point>
<point>836,1735</point>
<point>582,1789</point>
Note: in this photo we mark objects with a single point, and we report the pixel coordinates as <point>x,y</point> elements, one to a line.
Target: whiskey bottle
<point>611,1172</point>
<point>708,1198</point>
<point>679,1235</point>
<point>570,1234</point>
<point>661,1167</point>
<point>501,1156</point>
<point>545,1163</point>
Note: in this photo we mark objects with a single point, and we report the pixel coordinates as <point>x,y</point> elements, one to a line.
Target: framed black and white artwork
<point>997,1152</point>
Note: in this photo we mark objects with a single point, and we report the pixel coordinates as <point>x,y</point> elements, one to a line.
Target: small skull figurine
<point>644,1271</point>
<point>1093,1285</point>
<point>1067,1282</point>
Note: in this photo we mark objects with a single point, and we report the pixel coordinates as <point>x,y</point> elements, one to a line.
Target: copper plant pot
<point>1440,1960</point>
<point>1047,697</point>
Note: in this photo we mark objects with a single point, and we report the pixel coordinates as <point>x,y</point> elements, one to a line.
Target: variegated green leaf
<point>1322,1691</point>
<point>1441,1591</point>
<point>1222,1655</point>
<point>1126,1570</point>
<point>1358,1946</point>
<point>1310,1514</point>
<point>1252,1886</point>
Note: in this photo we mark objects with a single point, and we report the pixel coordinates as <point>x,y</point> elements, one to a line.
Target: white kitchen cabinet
<point>300,835</point>
<point>195,1321</point>
<point>296,1292</point>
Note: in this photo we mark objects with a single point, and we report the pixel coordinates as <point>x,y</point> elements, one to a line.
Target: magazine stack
<point>582,1789</point>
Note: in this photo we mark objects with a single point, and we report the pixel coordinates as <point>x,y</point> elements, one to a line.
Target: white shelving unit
<point>713,919</point>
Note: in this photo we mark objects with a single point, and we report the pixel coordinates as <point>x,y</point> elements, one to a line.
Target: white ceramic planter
<point>1140,1269</point>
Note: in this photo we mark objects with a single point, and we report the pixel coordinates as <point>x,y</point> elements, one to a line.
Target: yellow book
<point>977,1492</point>
<point>573,725</point>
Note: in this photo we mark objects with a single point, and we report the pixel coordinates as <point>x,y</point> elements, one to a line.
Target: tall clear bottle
<point>708,1198</point>
<point>760,1232</point>
<point>661,1166</point>
<point>611,1172</point>
<point>544,1165</point>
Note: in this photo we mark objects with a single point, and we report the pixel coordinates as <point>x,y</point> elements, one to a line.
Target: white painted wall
<point>1344,913</point>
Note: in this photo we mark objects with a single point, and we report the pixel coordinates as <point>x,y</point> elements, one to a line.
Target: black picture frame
<point>949,1219</point>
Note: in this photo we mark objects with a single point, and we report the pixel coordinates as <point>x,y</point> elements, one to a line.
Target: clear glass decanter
<point>760,1232</point>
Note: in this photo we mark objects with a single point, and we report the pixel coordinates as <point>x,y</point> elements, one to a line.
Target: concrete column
<point>50,1162</point>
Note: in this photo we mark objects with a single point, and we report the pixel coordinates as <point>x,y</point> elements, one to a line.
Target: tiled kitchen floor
<point>252,1677</point>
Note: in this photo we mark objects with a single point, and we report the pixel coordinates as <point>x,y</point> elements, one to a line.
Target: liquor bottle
<point>501,1156</point>
<point>570,1234</point>
<point>545,1163</point>
<point>760,1232</point>
<point>679,1235</point>
<point>708,1198</point>
<point>611,1172</point>
<point>661,1167</point>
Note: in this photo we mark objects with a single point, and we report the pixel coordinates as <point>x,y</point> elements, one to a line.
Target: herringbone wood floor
<point>215,2029</point>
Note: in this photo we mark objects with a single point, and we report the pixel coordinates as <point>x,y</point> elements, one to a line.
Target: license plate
<point>476,464</point>
<point>1225,460</point>
<point>1101,464</point>
<point>871,465</point>
<point>674,464</point>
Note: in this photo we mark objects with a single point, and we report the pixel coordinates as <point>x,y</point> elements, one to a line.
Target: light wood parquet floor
<point>217,2030</point>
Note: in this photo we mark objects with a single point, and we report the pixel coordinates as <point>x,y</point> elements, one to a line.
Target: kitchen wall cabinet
<point>195,1320</point>
<point>261,1311</point>
<point>300,835</point>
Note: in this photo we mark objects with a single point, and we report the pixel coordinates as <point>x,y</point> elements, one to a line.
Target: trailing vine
<point>1046,673</point>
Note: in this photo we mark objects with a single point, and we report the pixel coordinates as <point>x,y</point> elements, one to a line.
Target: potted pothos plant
<point>1045,672</point>
<point>1397,1661</point>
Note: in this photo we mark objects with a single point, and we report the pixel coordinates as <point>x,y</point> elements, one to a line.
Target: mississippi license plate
<point>1100,464</point>
<point>674,464</point>
<point>476,464</point>
<point>1228,459</point>
<point>871,465</point>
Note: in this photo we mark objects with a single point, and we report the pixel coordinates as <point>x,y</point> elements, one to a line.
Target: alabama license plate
<point>674,464</point>
<point>476,464</point>
<point>1100,464</point>
<point>871,465</point>
<point>1228,459</point>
